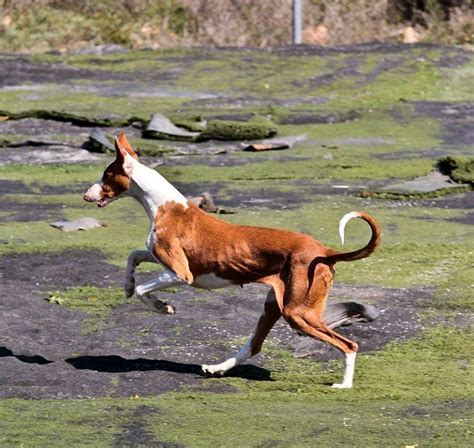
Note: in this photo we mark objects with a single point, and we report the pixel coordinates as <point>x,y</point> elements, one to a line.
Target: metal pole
<point>297,22</point>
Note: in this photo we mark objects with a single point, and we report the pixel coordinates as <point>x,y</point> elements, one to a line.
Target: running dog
<point>205,252</point>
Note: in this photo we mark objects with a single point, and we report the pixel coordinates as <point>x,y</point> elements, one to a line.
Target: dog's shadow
<point>117,364</point>
<point>29,359</point>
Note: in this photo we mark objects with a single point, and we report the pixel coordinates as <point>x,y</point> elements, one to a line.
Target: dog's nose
<point>93,193</point>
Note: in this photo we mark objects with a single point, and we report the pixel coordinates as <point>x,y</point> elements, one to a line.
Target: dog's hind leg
<point>304,312</point>
<point>316,328</point>
<point>135,258</point>
<point>166,279</point>
<point>253,346</point>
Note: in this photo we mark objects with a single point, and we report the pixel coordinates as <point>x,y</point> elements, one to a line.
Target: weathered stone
<point>98,142</point>
<point>85,223</point>
<point>206,203</point>
<point>162,128</point>
<point>258,147</point>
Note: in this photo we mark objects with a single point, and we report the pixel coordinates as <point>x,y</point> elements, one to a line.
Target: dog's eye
<point>106,188</point>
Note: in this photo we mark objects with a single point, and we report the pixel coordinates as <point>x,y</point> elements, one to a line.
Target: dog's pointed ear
<point>124,142</point>
<point>123,157</point>
<point>120,151</point>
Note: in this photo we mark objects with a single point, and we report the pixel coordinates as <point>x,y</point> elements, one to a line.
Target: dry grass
<point>39,25</point>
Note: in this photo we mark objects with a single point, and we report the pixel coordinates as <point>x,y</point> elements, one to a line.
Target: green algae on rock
<point>69,117</point>
<point>459,169</point>
<point>236,130</point>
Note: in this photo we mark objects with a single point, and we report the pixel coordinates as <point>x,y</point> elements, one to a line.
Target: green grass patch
<point>256,76</point>
<point>413,393</point>
<point>89,299</point>
<point>320,170</point>
<point>96,302</point>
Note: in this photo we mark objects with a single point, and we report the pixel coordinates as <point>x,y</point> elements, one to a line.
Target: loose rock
<point>85,223</point>
<point>98,142</point>
<point>258,147</point>
<point>206,203</point>
<point>162,128</point>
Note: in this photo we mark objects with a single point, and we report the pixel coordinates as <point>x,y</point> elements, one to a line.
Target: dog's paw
<point>212,370</point>
<point>341,386</point>
<point>165,308</point>
<point>160,307</point>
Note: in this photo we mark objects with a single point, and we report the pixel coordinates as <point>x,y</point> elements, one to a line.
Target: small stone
<point>258,147</point>
<point>206,203</point>
<point>85,223</point>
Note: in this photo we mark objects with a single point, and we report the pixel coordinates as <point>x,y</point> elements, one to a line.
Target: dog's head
<point>116,177</point>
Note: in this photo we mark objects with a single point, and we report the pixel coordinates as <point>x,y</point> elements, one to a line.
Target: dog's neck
<point>152,190</point>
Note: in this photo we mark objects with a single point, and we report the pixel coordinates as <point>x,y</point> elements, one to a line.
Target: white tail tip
<point>345,219</point>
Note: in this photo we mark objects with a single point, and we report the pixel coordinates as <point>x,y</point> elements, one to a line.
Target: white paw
<point>341,386</point>
<point>168,309</point>
<point>212,370</point>
<point>162,307</point>
<point>156,305</point>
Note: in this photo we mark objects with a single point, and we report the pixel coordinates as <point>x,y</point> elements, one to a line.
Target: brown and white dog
<point>202,251</point>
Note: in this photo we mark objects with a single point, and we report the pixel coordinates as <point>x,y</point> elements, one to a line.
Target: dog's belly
<point>211,281</point>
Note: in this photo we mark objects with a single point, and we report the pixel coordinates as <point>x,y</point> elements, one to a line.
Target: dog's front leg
<point>172,255</point>
<point>135,258</point>
<point>166,279</point>
<point>253,346</point>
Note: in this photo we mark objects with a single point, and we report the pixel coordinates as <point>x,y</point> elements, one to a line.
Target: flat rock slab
<point>85,223</point>
<point>429,183</point>
<point>45,155</point>
<point>162,127</point>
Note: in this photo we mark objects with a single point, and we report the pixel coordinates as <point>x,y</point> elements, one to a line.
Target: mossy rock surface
<point>138,373</point>
<point>460,169</point>
<point>236,130</point>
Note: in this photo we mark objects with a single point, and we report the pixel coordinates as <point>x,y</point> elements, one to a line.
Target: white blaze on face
<point>93,193</point>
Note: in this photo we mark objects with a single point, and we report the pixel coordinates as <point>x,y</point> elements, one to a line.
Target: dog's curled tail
<point>365,251</point>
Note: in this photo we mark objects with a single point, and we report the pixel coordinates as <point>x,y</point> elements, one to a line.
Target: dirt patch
<point>21,212</point>
<point>269,198</point>
<point>135,433</point>
<point>13,187</point>
<point>467,219</point>
<point>457,120</point>
<point>415,154</point>
<point>399,319</point>
<point>48,154</point>
<point>320,118</point>
<point>17,70</point>
<point>461,201</point>
<point>351,69</point>
<point>314,50</point>
<point>46,353</point>
<point>249,101</point>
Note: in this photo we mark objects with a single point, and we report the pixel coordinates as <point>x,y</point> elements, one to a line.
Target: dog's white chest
<point>211,281</point>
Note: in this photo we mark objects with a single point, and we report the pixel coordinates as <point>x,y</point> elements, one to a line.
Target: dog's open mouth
<point>102,202</point>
